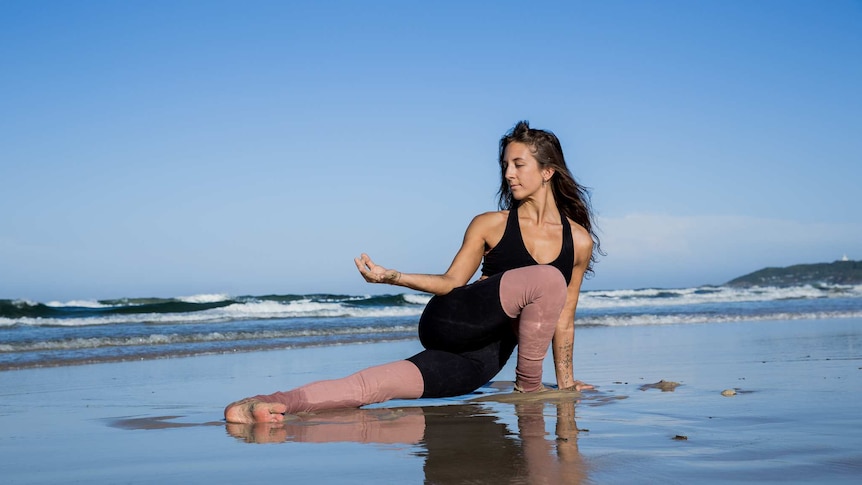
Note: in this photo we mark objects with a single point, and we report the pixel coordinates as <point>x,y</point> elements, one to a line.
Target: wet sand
<point>793,416</point>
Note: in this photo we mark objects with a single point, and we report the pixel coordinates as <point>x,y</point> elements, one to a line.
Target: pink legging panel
<point>535,294</point>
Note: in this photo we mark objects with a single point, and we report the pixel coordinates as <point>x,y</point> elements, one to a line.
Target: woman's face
<point>523,172</point>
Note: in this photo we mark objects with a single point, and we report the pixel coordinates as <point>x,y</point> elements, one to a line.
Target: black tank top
<point>510,252</point>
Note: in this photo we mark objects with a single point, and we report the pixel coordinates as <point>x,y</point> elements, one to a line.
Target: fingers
<point>578,386</point>
<point>365,261</point>
<point>582,386</point>
<point>367,269</point>
<point>363,267</point>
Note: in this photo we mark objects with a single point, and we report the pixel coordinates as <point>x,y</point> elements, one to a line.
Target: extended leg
<point>395,380</point>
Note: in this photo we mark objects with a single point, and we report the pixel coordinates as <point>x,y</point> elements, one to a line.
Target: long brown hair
<point>573,199</point>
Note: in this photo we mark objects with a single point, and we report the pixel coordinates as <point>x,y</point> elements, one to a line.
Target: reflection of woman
<point>559,462</point>
<point>484,450</point>
<point>534,254</point>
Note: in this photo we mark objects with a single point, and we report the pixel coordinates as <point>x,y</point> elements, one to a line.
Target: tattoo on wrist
<point>392,276</point>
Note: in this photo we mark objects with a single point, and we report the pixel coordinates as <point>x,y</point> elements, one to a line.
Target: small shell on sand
<point>728,392</point>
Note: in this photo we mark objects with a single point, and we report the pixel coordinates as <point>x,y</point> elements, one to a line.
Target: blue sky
<point>169,148</point>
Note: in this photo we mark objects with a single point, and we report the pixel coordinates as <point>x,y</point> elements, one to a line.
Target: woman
<point>534,252</point>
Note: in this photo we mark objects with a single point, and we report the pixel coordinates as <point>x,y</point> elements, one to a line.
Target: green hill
<point>837,273</point>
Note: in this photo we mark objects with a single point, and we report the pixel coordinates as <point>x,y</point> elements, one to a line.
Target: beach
<point>793,418</point>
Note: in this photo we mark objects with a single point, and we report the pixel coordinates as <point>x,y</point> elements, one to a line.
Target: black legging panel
<point>467,336</point>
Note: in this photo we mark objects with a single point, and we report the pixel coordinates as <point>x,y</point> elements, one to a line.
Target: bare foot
<point>520,389</point>
<point>249,411</point>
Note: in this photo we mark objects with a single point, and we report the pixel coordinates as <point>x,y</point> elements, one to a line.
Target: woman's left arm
<point>564,335</point>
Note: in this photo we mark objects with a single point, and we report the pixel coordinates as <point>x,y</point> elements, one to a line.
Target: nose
<point>510,172</point>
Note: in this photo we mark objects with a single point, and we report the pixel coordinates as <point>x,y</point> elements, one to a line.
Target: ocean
<point>38,334</point>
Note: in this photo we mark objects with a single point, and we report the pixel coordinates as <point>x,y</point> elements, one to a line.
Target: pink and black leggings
<point>468,334</point>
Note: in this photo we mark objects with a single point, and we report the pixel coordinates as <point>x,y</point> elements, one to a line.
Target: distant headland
<point>842,272</point>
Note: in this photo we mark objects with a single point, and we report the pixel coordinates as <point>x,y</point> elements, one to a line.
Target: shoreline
<point>186,354</point>
<point>158,352</point>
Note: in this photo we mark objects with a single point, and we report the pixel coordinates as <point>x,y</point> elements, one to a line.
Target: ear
<point>547,173</point>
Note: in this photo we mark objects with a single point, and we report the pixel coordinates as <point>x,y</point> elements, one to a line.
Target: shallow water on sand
<point>793,419</point>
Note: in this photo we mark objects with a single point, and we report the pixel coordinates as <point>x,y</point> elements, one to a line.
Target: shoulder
<point>582,240</point>
<point>490,220</point>
<point>488,227</point>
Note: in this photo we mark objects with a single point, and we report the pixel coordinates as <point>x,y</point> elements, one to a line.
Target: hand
<point>374,273</point>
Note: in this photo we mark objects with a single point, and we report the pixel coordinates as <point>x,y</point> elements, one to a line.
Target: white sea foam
<point>594,301</point>
<point>204,298</point>
<point>166,339</point>
<point>252,310</point>
<point>22,303</point>
<point>274,309</point>
<point>599,299</point>
<point>77,303</point>
<point>417,299</point>
<point>158,339</point>
<point>671,319</point>
<point>309,308</point>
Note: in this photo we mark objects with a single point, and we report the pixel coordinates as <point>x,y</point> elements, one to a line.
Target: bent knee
<point>532,284</point>
<point>554,289</point>
<point>544,278</point>
<point>551,279</point>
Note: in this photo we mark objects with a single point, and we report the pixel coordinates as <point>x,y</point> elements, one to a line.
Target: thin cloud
<point>647,249</point>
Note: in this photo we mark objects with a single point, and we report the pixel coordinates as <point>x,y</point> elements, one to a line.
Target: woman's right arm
<point>463,267</point>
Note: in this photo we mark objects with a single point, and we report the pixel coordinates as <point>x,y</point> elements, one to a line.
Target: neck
<point>540,207</point>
